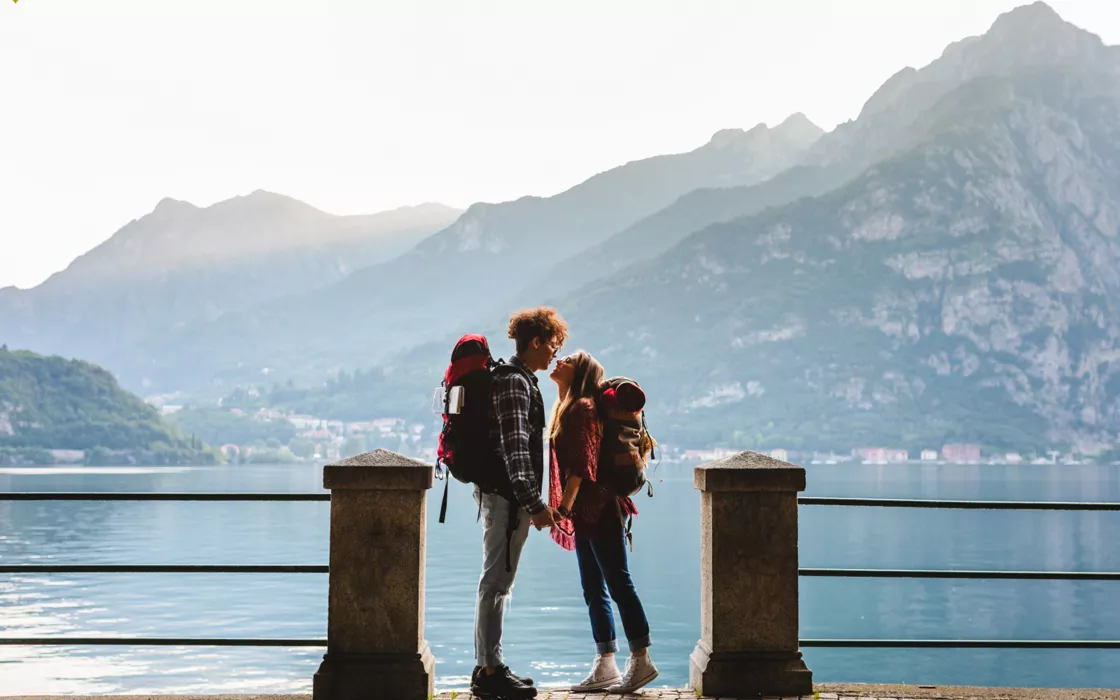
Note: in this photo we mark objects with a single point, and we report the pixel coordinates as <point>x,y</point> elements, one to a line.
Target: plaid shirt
<point>519,410</point>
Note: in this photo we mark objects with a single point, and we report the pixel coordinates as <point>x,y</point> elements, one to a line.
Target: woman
<point>593,527</point>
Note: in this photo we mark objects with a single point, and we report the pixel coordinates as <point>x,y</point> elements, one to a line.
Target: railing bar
<point>837,643</point>
<point>151,641</point>
<point>322,569</point>
<point>971,505</point>
<point>950,574</point>
<point>138,496</point>
<point>963,643</point>
<point>159,569</point>
<point>323,497</point>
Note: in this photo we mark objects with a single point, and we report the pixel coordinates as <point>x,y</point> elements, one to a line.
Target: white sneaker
<point>640,672</point>
<point>604,673</point>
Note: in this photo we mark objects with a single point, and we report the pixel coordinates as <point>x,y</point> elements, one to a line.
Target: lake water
<point>547,631</point>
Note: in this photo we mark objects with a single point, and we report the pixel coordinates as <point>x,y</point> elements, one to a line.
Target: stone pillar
<point>748,579</point>
<point>375,611</point>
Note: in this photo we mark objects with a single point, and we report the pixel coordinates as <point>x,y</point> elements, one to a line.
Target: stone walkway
<point>825,691</point>
<point>837,691</point>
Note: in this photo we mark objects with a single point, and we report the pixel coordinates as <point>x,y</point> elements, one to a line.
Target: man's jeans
<point>495,584</point>
<point>605,574</point>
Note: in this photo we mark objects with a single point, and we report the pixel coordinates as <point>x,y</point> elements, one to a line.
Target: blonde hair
<point>586,379</point>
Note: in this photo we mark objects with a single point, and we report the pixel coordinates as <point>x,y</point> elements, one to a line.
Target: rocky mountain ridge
<point>467,270</point>
<point>892,120</point>
<point>181,263</point>
<point>965,290</point>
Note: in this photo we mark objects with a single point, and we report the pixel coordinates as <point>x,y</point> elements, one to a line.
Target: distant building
<point>388,425</point>
<point>929,455</point>
<point>895,456</point>
<point>1013,458</point>
<point>700,456</point>
<point>780,454</point>
<point>961,453</point>
<point>68,456</point>
<point>303,422</point>
<point>871,455</point>
<point>230,451</point>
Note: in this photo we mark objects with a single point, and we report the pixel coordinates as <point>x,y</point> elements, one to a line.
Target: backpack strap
<point>443,506</point>
<point>501,367</point>
<point>511,526</point>
<point>627,521</point>
<point>653,446</point>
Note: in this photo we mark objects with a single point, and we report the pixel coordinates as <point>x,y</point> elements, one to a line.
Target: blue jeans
<point>605,574</point>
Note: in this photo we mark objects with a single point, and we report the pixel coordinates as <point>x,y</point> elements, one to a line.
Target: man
<point>506,512</point>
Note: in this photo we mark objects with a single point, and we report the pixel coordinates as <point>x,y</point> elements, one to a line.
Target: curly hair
<point>543,322</point>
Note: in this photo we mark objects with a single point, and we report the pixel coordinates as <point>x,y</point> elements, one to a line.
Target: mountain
<point>49,403</point>
<point>660,231</point>
<point>967,290</point>
<point>181,262</point>
<point>890,122</point>
<point>484,257</point>
<point>1030,36</point>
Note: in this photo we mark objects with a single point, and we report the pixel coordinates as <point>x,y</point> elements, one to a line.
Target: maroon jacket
<point>575,452</point>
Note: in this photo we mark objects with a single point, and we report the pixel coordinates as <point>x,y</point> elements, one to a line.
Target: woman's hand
<point>545,518</point>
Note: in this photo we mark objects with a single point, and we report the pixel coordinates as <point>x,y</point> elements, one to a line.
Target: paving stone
<point>687,694</point>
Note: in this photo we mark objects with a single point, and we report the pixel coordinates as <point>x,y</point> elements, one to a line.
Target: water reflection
<point>547,627</point>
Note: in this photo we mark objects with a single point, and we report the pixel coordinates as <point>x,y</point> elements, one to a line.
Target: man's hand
<point>545,518</point>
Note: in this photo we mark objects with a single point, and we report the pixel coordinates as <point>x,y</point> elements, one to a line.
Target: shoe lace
<point>597,669</point>
<point>628,676</point>
<point>593,674</point>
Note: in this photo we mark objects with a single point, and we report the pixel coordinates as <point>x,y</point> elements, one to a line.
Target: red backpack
<point>468,450</point>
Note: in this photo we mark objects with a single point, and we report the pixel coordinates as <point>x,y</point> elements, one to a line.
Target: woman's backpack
<point>627,445</point>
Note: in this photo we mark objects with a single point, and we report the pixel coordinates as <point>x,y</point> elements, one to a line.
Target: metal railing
<point>965,505</point>
<point>958,574</point>
<point>162,569</point>
<point>806,572</point>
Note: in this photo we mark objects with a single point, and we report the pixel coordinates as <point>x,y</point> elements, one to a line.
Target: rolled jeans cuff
<point>606,647</point>
<point>638,644</point>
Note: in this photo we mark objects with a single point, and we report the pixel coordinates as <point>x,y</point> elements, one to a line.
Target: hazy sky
<point>362,105</point>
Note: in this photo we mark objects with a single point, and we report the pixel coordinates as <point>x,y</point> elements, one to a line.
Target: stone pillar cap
<point>380,470</point>
<point>749,471</point>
